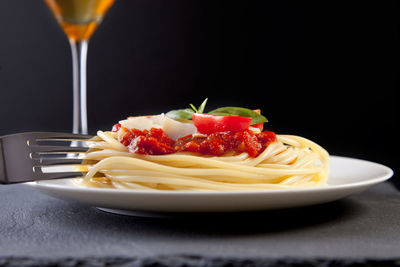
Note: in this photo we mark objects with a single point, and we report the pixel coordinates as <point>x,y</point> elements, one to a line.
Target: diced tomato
<point>190,146</point>
<point>153,142</point>
<point>157,142</point>
<point>218,144</point>
<point>150,146</point>
<point>161,136</point>
<point>251,143</point>
<point>116,127</point>
<point>266,137</point>
<point>189,143</point>
<point>214,145</point>
<point>208,124</point>
<point>125,136</point>
<point>258,125</point>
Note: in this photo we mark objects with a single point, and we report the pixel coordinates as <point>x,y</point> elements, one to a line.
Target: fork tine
<point>57,155</point>
<point>57,175</point>
<point>55,161</point>
<point>61,140</point>
<point>61,136</point>
<point>43,149</point>
<point>33,137</point>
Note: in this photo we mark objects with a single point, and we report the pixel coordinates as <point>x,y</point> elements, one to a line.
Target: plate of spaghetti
<point>221,161</point>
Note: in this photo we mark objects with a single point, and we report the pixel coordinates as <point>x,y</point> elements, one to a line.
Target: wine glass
<point>79,19</point>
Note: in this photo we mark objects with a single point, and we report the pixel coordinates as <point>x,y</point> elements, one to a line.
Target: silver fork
<point>23,157</point>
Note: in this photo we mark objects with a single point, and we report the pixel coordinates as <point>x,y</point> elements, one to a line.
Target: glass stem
<point>79,58</point>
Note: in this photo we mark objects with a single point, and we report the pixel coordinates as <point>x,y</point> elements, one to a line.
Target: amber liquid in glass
<point>79,18</point>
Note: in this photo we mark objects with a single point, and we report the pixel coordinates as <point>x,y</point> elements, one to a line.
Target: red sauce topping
<point>116,127</point>
<point>157,142</point>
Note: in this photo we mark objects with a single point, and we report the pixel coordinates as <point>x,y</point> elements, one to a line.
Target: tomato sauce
<point>157,142</point>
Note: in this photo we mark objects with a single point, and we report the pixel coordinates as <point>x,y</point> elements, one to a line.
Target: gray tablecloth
<point>39,230</point>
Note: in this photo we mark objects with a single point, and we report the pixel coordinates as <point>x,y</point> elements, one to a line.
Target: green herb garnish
<point>186,114</point>
<point>242,112</point>
<point>181,114</point>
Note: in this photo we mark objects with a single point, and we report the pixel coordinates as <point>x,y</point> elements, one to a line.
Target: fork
<point>23,157</point>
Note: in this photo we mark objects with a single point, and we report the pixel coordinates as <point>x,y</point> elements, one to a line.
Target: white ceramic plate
<point>347,176</point>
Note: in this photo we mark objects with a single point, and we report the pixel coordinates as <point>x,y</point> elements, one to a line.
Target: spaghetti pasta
<point>289,162</point>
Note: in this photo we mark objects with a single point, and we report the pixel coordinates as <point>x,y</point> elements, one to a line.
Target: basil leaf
<point>202,106</point>
<point>180,114</point>
<point>237,111</point>
<point>193,107</point>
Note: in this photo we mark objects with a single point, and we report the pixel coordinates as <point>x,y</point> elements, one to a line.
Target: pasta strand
<point>289,162</point>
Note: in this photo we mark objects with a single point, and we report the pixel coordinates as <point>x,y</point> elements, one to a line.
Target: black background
<point>325,70</point>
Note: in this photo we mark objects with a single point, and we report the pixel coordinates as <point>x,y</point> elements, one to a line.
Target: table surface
<point>38,229</point>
